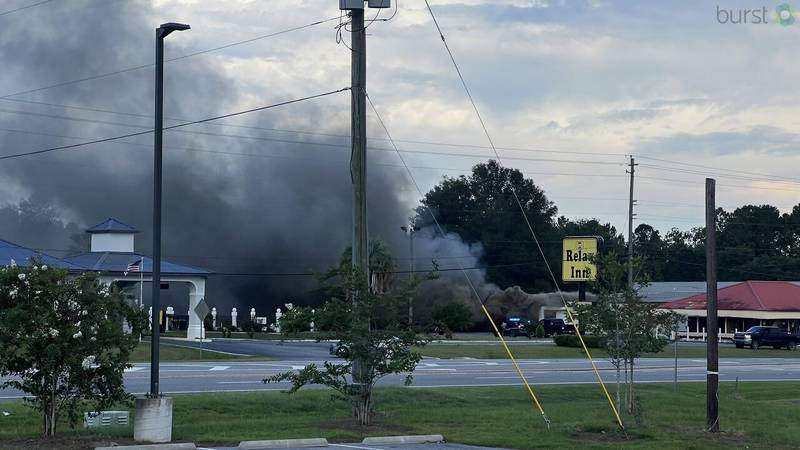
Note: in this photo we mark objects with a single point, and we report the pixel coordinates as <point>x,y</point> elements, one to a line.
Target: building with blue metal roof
<point>22,256</point>
<point>112,254</point>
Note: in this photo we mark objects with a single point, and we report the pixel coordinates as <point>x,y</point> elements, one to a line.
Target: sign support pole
<point>712,345</point>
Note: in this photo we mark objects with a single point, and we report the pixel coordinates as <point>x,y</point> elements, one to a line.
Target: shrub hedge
<point>571,340</point>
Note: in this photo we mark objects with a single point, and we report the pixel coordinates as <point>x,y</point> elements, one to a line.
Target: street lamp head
<point>166,28</point>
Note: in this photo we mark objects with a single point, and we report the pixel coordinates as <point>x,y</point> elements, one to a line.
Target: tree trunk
<point>618,377</point>
<point>626,384</point>
<point>631,391</point>
<point>49,410</point>
<point>363,406</point>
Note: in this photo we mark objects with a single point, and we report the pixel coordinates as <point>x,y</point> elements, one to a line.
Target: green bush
<point>570,340</point>
<point>539,331</point>
<point>454,316</point>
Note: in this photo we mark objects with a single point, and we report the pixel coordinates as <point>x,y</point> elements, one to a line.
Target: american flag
<point>134,266</point>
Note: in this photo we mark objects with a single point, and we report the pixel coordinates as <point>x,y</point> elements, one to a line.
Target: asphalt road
<point>254,347</point>
<point>244,376</point>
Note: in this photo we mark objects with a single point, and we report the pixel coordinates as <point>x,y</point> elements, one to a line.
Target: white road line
<point>239,382</point>
<point>352,446</point>
<point>133,369</point>
<point>220,368</point>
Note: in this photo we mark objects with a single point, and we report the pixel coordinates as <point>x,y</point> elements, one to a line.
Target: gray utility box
<point>106,419</point>
<point>351,4</point>
<point>359,4</point>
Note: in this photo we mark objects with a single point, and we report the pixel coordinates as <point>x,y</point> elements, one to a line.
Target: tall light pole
<point>411,230</point>
<point>158,130</point>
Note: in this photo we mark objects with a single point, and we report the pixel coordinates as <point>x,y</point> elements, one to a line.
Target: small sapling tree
<point>628,326</point>
<point>374,339</point>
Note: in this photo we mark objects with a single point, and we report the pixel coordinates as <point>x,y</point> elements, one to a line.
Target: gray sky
<point>656,79</point>
<point>567,89</point>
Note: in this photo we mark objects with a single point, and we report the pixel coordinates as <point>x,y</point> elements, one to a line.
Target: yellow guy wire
<point>525,216</point>
<point>469,282</point>
<point>516,365</point>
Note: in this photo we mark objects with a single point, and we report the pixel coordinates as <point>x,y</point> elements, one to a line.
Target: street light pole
<point>158,130</point>
<point>411,230</point>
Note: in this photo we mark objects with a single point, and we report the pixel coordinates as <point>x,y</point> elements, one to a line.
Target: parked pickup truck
<point>756,337</point>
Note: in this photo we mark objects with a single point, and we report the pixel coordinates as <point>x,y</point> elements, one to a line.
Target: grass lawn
<point>172,353</point>
<point>544,351</point>
<point>762,415</point>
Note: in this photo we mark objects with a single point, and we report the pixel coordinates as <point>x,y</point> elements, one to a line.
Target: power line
<point>451,154</point>
<point>717,168</point>
<point>113,138</point>
<point>24,7</point>
<point>188,55</point>
<point>315,143</point>
<point>768,177</point>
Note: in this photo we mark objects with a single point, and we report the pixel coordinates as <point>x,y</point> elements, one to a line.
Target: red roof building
<point>743,305</point>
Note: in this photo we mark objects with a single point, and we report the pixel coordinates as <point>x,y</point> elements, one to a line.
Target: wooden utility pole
<point>631,202</point>
<point>358,158</point>
<point>712,345</point>
<point>358,162</point>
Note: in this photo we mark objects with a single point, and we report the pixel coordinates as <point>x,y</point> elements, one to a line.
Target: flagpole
<point>141,289</point>
<point>141,284</point>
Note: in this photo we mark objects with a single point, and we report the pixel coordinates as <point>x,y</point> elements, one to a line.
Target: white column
<point>197,291</point>
<point>234,314</point>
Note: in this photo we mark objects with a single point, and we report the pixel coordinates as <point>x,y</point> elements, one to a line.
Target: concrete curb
<point>395,440</point>
<point>184,446</point>
<point>284,443</point>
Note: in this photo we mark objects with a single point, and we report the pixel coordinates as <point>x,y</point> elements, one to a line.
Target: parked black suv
<point>515,326</point>
<point>556,326</point>
<point>756,337</point>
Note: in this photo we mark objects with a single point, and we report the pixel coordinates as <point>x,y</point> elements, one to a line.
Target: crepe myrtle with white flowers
<point>62,340</point>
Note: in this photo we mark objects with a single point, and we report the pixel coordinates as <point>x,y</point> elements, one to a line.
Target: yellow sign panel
<point>576,259</point>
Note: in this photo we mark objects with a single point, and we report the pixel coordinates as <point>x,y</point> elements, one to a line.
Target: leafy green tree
<point>381,267</point>
<point>481,208</point>
<point>296,320</point>
<point>62,340</point>
<point>683,257</point>
<point>453,316</point>
<point>373,340</point>
<point>649,247</point>
<point>612,240</point>
<point>628,326</point>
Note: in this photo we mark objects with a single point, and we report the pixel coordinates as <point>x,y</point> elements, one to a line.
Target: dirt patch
<point>601,436</point>
<point>723,436</point>
<point>64,443</point>
<point>379,425</point>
